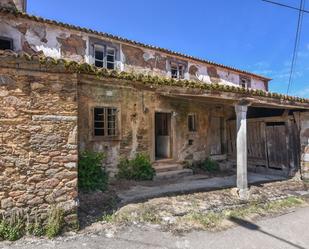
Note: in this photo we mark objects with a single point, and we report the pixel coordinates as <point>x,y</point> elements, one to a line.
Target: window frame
<point>97,47</point>
<point>180,68</point>
<point>10,40</point>
<point>194,126</point>
<point>104,49</point>
<point>92,121</point>
<point>246,81</point>
<point>114,56</point>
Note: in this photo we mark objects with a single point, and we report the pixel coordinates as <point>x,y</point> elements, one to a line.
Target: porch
<point>260,136</point>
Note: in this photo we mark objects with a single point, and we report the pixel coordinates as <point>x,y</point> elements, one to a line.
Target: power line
<point>301,11</point>
<point>287,6</point>
<point>296,44</point>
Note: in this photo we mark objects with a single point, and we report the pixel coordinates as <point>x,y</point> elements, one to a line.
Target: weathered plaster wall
<point>38,143</point>
<point>33,37</point>
<point>18,4</point>
<point>304,143</point>
<point>137,109</point>
<point>61,42</point>
<point>133,123</point>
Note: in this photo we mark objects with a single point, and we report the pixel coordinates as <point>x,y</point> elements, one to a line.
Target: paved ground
<point>283,232</point>
<point>190,184</point>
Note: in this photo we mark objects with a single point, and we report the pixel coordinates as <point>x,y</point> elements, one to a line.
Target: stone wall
<point>38,140</point>
<point>303,120</point>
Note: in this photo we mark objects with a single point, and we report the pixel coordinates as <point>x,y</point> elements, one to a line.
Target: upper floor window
<point>104,56</point>
<point>105,121</point>
<point>192,122</point>
<point>244,82</point>
<point>177,71</point>
<point>6,43</point>
<point>110,58</point>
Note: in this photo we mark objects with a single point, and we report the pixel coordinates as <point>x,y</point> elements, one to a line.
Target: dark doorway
<point>163,135</point>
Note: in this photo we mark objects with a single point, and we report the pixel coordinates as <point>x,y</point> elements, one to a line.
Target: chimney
<point>19,5</point>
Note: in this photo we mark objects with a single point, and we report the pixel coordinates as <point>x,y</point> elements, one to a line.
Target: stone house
<point>66,89</point>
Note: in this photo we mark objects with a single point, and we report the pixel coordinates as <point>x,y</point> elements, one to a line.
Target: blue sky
<point>246,34</point>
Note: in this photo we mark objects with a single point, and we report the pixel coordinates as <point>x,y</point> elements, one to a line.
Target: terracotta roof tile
<point>61,65</point>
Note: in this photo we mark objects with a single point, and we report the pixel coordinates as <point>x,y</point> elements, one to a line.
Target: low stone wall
<point>38,141</point>
<point>304,142</point>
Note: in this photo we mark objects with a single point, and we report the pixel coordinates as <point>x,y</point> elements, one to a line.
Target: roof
<point>17,13</point>
<point>10,59</point>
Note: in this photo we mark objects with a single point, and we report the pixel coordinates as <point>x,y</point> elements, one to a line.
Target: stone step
<point>164,161</point>
<point>173,174</point>
<point>167,167</point>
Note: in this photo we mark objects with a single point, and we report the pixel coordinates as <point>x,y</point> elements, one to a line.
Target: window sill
<point>105,139</point>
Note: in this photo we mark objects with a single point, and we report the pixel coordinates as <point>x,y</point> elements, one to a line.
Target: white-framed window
<point>177,71</point>
<point>99,56</point>
<point>244,82</point>
<point>110,58</point>
<point>104,56</point>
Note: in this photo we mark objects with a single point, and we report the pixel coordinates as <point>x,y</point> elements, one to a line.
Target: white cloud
<point>263,72</point>
<point>303,54</point>
<point>303,93</point>
<point>262,64</point>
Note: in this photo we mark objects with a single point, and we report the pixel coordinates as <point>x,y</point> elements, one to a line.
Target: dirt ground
<point>194,211</point>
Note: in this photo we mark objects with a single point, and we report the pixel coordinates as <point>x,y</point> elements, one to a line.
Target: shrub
<point>91,175</point>
<point>55,223</point>
<point>207,165</point>
<point>138,168</point>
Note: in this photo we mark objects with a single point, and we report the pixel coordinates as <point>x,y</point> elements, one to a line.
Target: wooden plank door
<point>215,136</point>
<point>276,146</point>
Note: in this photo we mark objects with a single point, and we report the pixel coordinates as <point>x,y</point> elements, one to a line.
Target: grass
<point>18,224</point>
<point>55,223</point>
<point>142,214</point>
<point>213,220</point>
<point>196,218</point>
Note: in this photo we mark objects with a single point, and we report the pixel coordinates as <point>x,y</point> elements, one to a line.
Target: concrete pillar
<point>304,143</point>
<point>241,144</point>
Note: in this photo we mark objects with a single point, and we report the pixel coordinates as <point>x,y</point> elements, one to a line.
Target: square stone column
<point>242,151</point>
<point>304,142</point>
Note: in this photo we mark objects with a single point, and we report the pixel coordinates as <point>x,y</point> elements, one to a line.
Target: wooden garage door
<point>276,145</point>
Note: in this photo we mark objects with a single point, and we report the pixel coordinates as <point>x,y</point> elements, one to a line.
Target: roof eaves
<point>152,81</point>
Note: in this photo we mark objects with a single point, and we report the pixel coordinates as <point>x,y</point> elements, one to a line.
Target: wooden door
<point>163,137</point>
<point>277,150</point>
<point>215,136</point>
